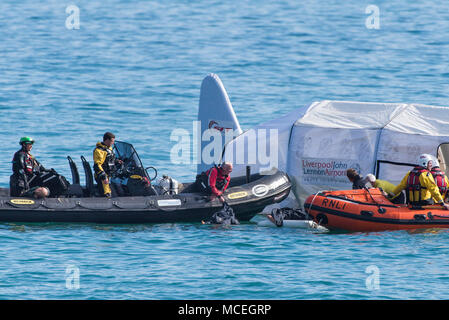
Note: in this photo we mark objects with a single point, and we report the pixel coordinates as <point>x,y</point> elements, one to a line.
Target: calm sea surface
<point>135,68</point>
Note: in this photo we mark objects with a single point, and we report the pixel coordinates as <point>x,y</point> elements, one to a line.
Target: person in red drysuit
<point>215,180</point>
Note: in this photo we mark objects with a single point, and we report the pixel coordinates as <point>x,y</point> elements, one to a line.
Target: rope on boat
<point>311,203</point>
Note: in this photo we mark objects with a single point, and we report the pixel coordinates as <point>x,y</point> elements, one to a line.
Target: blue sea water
<point>135,68</point>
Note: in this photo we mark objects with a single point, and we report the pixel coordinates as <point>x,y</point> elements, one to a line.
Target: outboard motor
<point>169,185</point>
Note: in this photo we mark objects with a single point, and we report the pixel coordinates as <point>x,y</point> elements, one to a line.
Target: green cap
<point>26,140</point>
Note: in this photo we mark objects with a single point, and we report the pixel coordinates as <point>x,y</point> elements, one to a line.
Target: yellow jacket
<point>104,160</point>
<point>429,190</point>
<point>386,186</point>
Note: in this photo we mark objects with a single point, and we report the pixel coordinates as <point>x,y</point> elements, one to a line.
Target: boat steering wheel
<point>126,169</point>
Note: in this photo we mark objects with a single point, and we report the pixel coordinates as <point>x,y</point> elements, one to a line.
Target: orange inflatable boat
<point>369,210</point>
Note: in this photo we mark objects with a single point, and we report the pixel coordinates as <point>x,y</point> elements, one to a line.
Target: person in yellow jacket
<point>440,178</point>
<point>420,185</point>
<point>387,187</point>
<point>104,163</point>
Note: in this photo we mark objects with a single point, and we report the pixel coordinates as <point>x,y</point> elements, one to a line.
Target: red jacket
<point>217,181</point>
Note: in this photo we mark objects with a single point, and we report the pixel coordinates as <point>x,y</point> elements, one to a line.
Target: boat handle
<point>366,213</point>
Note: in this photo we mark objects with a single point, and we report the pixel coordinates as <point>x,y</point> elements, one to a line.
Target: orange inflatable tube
<point>369,210</point>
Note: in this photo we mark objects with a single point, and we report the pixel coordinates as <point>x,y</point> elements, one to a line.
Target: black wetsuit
<point>25,170</point>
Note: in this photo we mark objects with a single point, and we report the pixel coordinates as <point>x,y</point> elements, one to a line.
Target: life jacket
<point>203,179</point>
<point>28,162</point>
<point>221,179</point>
<point>413,183</point>
<point>440,180</point>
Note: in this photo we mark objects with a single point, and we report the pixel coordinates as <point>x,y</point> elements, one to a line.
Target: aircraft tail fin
<point>215,112</point>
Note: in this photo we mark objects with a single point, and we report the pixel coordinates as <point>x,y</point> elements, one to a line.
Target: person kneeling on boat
<point>440,178</point>
<point>105,163</point>
<point>215,180</point>
<point>25,168</point>
<point>358,182</point>
<point>420,185</point>
<point>387,189</point>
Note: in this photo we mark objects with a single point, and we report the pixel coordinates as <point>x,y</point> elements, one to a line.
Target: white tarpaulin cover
<point>317,144</point>
<point>247,146</point>
<point>417,129</point>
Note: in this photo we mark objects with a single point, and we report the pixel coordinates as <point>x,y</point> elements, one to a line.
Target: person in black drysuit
<point>358,182</point>
<point>25,168</point>
<point>225,216</point>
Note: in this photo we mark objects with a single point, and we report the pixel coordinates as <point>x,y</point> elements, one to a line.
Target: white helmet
<point>371,178</point>
<point>435,162</point>
<point>424,159</point>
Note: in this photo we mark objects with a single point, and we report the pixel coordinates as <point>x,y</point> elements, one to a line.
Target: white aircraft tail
<point>216,115</point>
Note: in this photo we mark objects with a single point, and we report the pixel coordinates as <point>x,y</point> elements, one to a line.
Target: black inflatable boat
<point>246,195</point>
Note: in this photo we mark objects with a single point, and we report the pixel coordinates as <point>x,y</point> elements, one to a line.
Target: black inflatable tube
<point>246,199</point>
